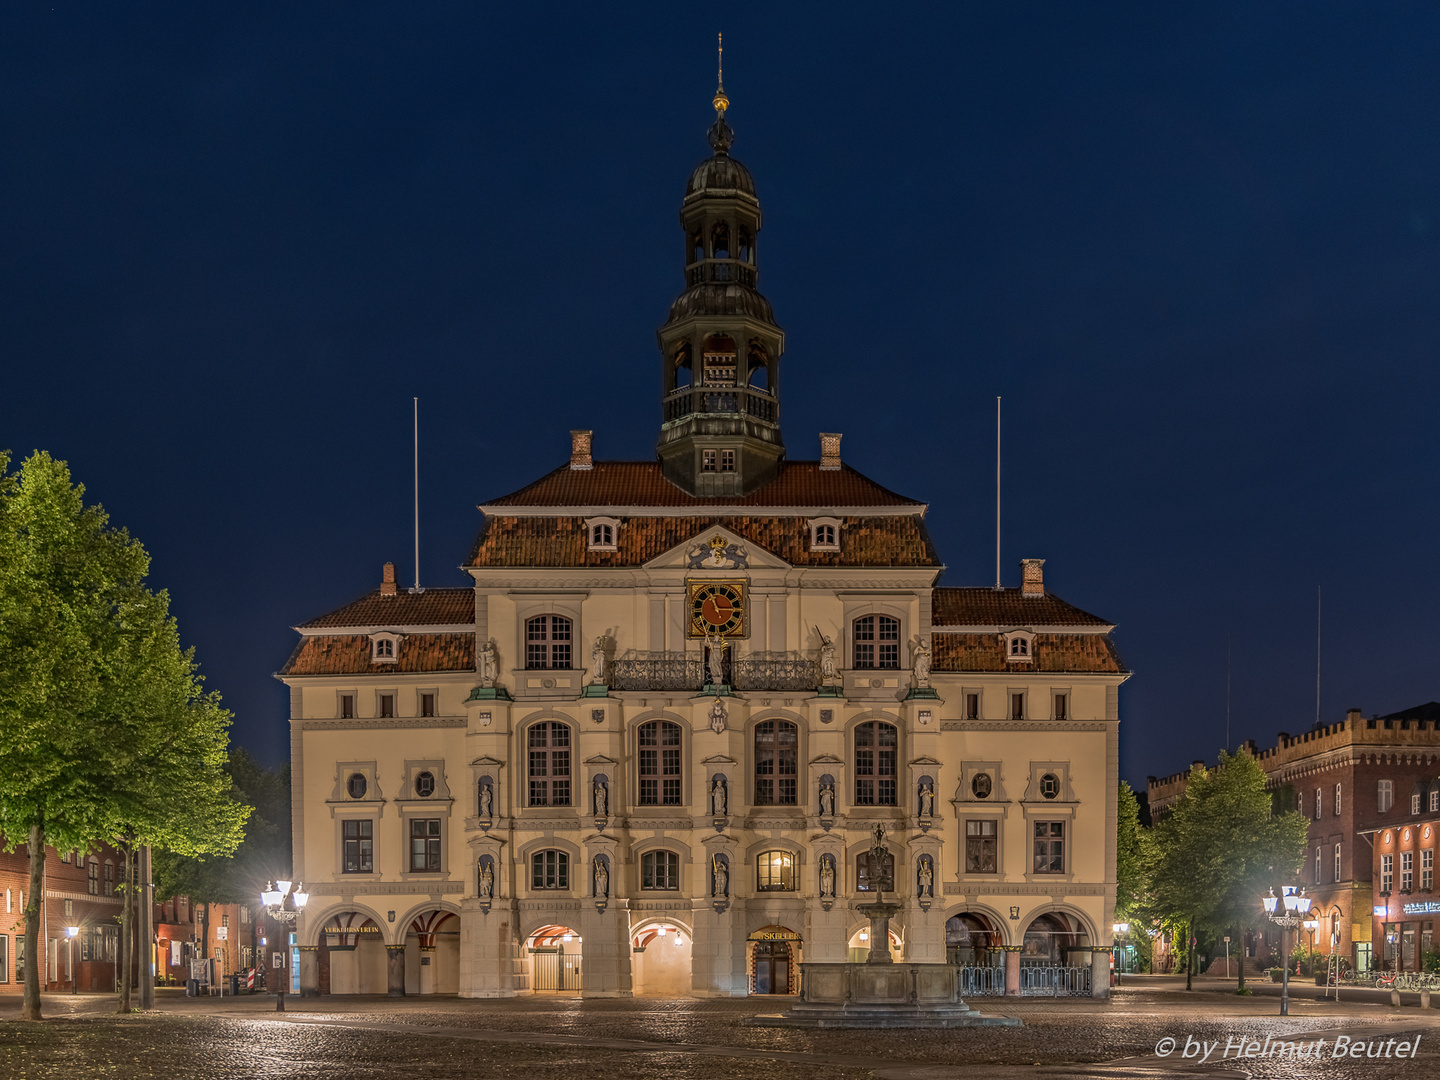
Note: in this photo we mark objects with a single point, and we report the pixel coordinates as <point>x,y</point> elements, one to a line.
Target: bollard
<point>1394,997</point>
<point>1425,997</point>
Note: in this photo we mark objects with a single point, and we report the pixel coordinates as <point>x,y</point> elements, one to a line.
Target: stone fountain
<point>880,993</point>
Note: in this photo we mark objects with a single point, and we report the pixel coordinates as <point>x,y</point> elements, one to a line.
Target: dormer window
<point>600,533</point>
<point>1019,647</point>
<point>384,648</point>
<point>824,534</point>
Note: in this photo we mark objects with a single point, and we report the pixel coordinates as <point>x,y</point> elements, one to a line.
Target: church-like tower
<point>720,349</point>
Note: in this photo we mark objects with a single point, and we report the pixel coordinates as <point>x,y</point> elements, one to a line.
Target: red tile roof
<point>899,540</point>
<point>641,483</point>
<point>349,654</point>
<point>1090,653</point>
<point>1004,607</point>
<point>433,607</point>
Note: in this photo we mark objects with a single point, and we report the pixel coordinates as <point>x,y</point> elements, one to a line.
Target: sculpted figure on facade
<point>827,878</point>
<point>922,663</point>
<point>927,800</point>
<point>489,664</point>
<point>927,879</point>
<point>827,800</point>
<point>715,660</point>
<point>829,672</point>
<point>602,879</point>
<point>486,799</point>
<point>485,890</point>
<point>597,662</point>
<point>721,877</point>
<point>719,799</point>
<point>602,798</point>
<point>718,716</point>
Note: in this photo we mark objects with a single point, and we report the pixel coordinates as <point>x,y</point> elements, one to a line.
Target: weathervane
<point>721,101</point>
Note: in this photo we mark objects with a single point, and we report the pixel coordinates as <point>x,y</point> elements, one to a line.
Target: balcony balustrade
<point>646,670</point>
<point>728,400</point>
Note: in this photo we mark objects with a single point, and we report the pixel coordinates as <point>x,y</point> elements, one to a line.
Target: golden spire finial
<point>721,102</point>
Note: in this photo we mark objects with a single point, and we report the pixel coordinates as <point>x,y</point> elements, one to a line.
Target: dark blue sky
<point>1197,250</point>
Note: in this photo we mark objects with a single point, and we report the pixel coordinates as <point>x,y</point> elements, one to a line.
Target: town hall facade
<point>647,752</point>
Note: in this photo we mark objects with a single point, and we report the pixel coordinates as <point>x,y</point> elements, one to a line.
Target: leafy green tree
<point>1220,847</point>
<point>105,732</point>
<point>1130,843</point>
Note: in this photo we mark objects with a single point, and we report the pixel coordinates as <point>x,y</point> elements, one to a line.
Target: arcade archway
<point>432,953</point>
<point>555,954</point>
<point>660,959</point>
<point>352,955</point>
<point>973,940</point>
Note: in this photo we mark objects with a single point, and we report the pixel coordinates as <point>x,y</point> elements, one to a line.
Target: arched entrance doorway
<point>432,953</point>
<point>972,940</point>
<point>1055,956</point>
<point>555,954</point>
<point>352,955</point>
<point>1050,938</point>
<point>773,960</point>
<point>660,955</point>
<point>859,946</point>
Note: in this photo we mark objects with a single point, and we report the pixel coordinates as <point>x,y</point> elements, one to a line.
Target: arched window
<point>720,241</point>
<point>777,749</point>
<point>93,873</point>
<point>602,536</point>
<point>697,246</point>
<point>550,870</point>
<point>659,870</point>
<point>775,872</point>
<point>747,250</point>
<point>659,763</point>
<point>109,879</point>
<point>1019,647</point>
<point>877,642</point>
<point>876,744</point>
<point>547,642</point>
<point>549,747</point>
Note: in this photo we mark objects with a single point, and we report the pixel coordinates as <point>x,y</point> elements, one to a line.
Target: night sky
<point>1197,251</point>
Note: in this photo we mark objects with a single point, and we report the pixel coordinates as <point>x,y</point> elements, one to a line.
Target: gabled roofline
<point>718,509</point>
<point>1003,628</point>
<point>386,628</point>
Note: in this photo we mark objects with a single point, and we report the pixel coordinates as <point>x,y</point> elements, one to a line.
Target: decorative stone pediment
<point>718,550</point>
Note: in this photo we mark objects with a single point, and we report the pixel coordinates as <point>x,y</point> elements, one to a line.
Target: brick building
<point>1404,905</point>
<point>1350,779</point>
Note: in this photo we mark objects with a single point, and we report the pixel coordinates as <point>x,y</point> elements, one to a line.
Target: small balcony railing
<point>644,670</point>
<point>726,400</point>
<point>722,271</point>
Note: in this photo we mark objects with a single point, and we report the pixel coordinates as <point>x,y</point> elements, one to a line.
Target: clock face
<point>717,607</point>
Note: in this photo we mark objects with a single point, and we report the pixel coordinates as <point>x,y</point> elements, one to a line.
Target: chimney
<point>387,580</point>
<point>1353,716</point>
<point>1032,580</point>
<point>829,452</point>
<point>580,450</point>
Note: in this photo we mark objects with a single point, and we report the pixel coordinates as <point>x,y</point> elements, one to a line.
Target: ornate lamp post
<point>1287,919</point>
<point>283,903</point>
<point>72,932</point>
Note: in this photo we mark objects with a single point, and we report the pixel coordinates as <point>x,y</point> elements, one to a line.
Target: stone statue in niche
<point>827,878</point>
<point>597,662</point>
<point>827,800</point>
<point>718,716</point>
<point>486,799</point>
<point>927,877</point>
<point>927,800</point>
<point>719,798</point>
<point>486,887</point>
<point>602,798</point>
<point>922,663</point>
<point>829,672</point>
<point>602,879</point>
<point>721,878</point>
<point>489,664</point>
<point>715,661</point>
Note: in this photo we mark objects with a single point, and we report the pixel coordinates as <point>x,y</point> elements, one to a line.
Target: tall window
<point>776,760</point>
<point>1017,706</point>
<point>660,870</point>
<point>424,845</point>
<point>1435,798</point>
<point>972,706</point>
<point>877,642</point>
<point>707,461</point>
<point>427,704</point>
<point>727,460</point>
<point>1415,802</point>
<point>347,706</point>
<point>549,746</point>
<point>1062,707</point>
<point>775,872</point>
<point>547,642</point>
<point>659,763</point>
<point>1337,800</point>
<point>109,879</point>
<point>387,704</point>
<point>1427,868</point>
<point>1337,862</point>
<point>4,959</point>
<point>1318,879</point>
<point>550,870</point>
<point>93,877</point>
<point>1407,871</point>
<point>980,846</point>
<point>1319,802</point>
<point>1049,847</point>
<point>1384,795</point>
<point>1387,873</point>
<point>876,744</point>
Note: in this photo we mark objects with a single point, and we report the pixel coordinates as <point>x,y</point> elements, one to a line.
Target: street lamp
<point>283,902</point>
<point>1294,904</point>
<point>72,932</point>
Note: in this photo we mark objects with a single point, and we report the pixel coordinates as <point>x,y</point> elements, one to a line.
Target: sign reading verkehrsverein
<point>1423,907</point>
<point>774,935</point>
<point>352,930</point>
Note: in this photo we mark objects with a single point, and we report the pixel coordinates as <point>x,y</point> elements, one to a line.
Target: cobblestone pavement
<point>640,1039</point>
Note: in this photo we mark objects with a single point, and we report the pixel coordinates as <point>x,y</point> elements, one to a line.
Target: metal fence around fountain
<point>1053,980</point>
<point>982,981</point>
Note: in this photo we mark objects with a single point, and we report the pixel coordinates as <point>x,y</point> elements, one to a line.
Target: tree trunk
<point>1190,953</point>
<point>1240,946</point>
<point>127,927</point>
<point>36,844</point>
